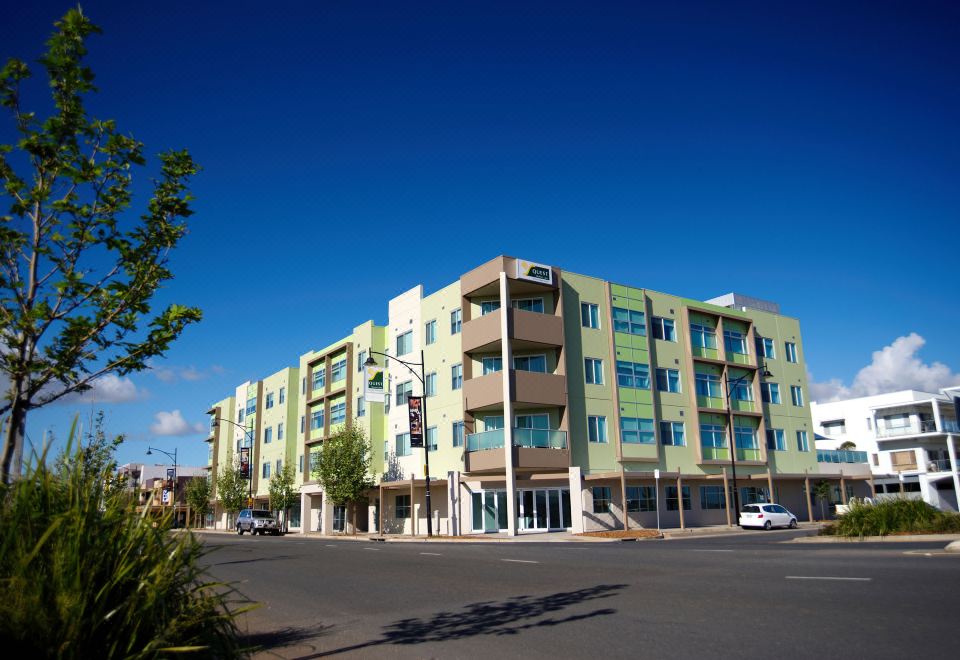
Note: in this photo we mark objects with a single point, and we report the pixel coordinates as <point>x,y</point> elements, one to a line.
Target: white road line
<point>374,549</point>
<point>521,561</point>
<point>825,577</point>
<point>574,548</point>
<point>331,545</point>
<point>711,550</point>
<point>432,554</point>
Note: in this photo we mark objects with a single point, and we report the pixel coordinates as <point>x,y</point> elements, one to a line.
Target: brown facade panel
<point>481,332</point>
<point>538,389</point>
<point>536,328</point>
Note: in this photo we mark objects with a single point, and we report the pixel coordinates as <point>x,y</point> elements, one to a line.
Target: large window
<point>753,495</point>
<point>541,421</point>
<point>632,374</point>
<point>338,370</point>
<point>712,436</point>
<point>251,405</point>
<point>629,321</point>
<point>589,315</point>
<point>266,470</point>
<point>745,436</point>
<point>338,413</point>
<point>402,507</point>
<point>280,431</point>
<point>489,306</point>
<point>597,428</point>
<point>492,364</point>
<point>361,358</point>
<point>766,348</point>
<point>430,332</point>
<point>791,351</point>
<point>269,401</point>
<point>319,378</point>
<point>775,440</point>
<point>796,395</point>
<point>316,419</point>
<point>268,435</point>
<point>741,390</point>
<point>601,499</point>
<point>703,336</point>
<point>405,343</point>
<point>361,406</point>
<point>431,384</point>
<point>734,342</point>
<point>663,329</point>
<point>671,434</point>
<point>458,434</point>
<point>770,392</point>
<point>668,380</point>
<point>456,377</point>
<point>803,442</point>
<point>535,363</point>
<point>712,497</point>
<point>403,444</point>
<point>670,495</point>
<point>708,385</point>
<point>637,431</point>
<point>456,321</point>
<point>283,395</point>
<point>404,390</point>
<point>528,304</point>
<point>594,371</point>
<point>641,499</point>
<point>431,438</point>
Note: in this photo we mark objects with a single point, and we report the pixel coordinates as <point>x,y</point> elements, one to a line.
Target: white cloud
<point>174,373</point>
<point>894,367</point>
<point>173,423</point>
<point>109,388</point>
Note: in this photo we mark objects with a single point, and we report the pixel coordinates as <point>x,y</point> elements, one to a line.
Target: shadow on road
<point>508,617</point>
<point>264,641</point>
<point>248,561</point>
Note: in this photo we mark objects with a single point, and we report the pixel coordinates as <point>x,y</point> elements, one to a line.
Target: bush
<point>82,574</point>
<point>892,516</point>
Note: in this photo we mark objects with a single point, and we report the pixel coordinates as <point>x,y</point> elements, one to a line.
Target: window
<point>283,395</point>
<point>492,422</point>
<point>240,414</point>
<point>361,406</point>
<point>734,342</point>
<point>671,434</point>
<point>458,434</point>
<point>303,385</point>
<point>791,351</point>
<point>532,421</point>
<point>637,431</point>
<point>770,392</point>
<point>403,391</point>
<point>403,444</point>
<point>601,499</point>
<point>456,377</point>
<point>594,371</point>
<point>712,436</point>
<point>641,499</point>
<point>775,440</point>
<point>590,315</point>
<point>745,437</point>
<point>319,378</point>
<point>803,443</point>
<point>361,358</point>
<point>629,321</point>
<point>488,306</point>
<point>266,471</point>
<point>741,390</point>
<point>535,363</point>
<point>796,395</point>
<point>268,435</point>
<point>432,438</point>
<point>338,413</point>
<point>766,348</point>
<point>492,365</point>
<point>708,385</point>
<point>338,371</point>
<point>339,517</point>
<point>663,328</point>
<point>528,304</point>
<point>838,427</point>
<point>668,380</point>
<point>402,509</point>
<point>456,322</point>
<point>702,336</point>
<point>269,401</point>
<point>405,343</point>
<point>251,405</point>
<point>712,497</point>
<point>280,431</point>
<point>430,332</point>
<point>300,464</point>
<point>597,428</point>
<point>753,495</point>
<point>316,419</point>
<point>869,424</point>
<point>632,374</point>
<point>670,495</point>
<point>279,465</point>
<point>431,384</point>
<point>303,420</point>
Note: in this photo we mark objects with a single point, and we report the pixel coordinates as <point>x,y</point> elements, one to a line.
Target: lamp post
<point>172,457</point>
<point>249,433</point>
<point>765,373</point>
<point>370,362</point>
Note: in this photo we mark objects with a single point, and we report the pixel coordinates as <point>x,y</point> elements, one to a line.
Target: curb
<point>909,538</point>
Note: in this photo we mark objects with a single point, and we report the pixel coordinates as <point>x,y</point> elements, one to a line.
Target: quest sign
<point>528,270</point>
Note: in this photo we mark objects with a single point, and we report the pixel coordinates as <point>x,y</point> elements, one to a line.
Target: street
<point>749,595</point>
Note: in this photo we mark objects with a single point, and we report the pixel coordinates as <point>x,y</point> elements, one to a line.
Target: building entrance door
<point>544,508</point>
<point>489,510</point>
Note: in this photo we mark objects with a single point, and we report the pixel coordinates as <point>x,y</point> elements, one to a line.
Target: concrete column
<point>383,504</point>
<point>680,497</point>
<point>952,452</point>
<point>726,497</point>
<point>576,500</point>
<point>806,485</point>
<point>873,487</point>
<point>843,489</point>
<point>623,497</point>
<point>453,498</point>
<point>773,499</point>
<point>936,415</point>
<point>304,514</point>
<point>413,509</point>
<point>506,355</point>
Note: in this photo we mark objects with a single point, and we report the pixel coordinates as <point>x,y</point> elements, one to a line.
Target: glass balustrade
<point>531,438</point>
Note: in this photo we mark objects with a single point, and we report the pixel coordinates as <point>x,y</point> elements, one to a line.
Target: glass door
<point>489,510</point>
<point>544,508</point>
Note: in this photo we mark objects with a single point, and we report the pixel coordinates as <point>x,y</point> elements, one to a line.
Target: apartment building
<point>908,435</point>
<point>563,401</point>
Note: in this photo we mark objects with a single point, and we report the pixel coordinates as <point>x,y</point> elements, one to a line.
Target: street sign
<point>373,383</point>
<point>656,474</point>
<point>415,407</point>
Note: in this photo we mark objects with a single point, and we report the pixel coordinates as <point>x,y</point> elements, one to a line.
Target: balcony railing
<point>531,438</point>
<point>926,426</point>
<point>939,465</point>
<point>841,456</point>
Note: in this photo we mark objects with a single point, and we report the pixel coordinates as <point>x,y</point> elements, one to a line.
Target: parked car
<point>766,516</point>
<point>257,522</point>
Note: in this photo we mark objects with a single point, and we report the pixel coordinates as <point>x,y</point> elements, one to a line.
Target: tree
<point>76,283</point>
<point>282,493</point>
<point>198,496</point>
<point>344,466</point>
<point>848,445</point>
<point>822,492</point>
<point>231,488</point>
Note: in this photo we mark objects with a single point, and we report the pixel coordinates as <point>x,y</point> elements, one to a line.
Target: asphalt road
<point>744,596</point>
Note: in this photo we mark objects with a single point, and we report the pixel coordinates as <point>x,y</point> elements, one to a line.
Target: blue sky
<point>801,152</point>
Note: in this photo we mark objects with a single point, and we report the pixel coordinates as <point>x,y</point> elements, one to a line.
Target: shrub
<point>82,574</point>
<point>892,516</point>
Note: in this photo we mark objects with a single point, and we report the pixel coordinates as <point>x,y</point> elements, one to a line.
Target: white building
<point>908,435</point>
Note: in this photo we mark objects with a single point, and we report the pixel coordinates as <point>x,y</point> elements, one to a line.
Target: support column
<point>506,355</point>
<point>413,510</point>
<point>680,497</point>
<point>453,498</point>
<point>843,489</point>
<point>726,497</point>
<point>380,511</point>
<point>576,500</point>
<point>623,497</point>
<point>806,487</point>
<point>952,452</point>
<point>773,499</point>
<point>873,487</point>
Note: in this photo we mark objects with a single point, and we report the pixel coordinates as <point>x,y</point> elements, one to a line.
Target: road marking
<point>374,549</point>
<point>711,550</point>
<point>825,577</point>
<point>432,554</point>
<point>521,561</point>
<point>331,545</point>
<point>574,548</point>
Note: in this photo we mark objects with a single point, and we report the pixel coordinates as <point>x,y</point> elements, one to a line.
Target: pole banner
<point>245,462</point>
<point>373,383</point>
<point>416,420</point>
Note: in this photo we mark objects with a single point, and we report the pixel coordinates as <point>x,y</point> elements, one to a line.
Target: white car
<point>766,516</point>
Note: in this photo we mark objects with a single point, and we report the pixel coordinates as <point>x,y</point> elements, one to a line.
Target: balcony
<point>939,465</point>
<point>532,449</point>
<point>529,388</point>
<point>841,456</point>
<point>530,438</point>
<point>528,330</point>
<point>925,426</point>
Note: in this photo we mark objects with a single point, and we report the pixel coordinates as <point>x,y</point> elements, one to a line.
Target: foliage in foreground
<point>83,575</point>
<point>893,516</point>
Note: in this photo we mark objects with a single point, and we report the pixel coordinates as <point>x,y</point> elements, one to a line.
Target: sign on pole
<point>170,477</point>
<point>416,420</point>
<point>373,383</point>
<point>245,462</point>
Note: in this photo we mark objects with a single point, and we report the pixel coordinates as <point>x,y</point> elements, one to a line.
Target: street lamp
<point>765,373</point>
<point>249,433</point>
<point>172,457</point>
<point>370,362</point>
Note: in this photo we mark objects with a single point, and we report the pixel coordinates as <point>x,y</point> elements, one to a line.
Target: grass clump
<point>893,516</point>
<point>84,575</point>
